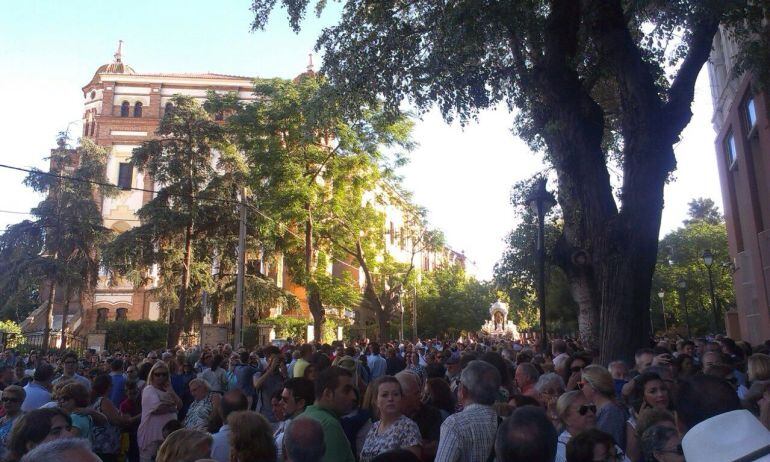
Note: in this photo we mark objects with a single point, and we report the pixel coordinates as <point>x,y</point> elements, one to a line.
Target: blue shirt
<point>118,392</point>
<point>377,365</point>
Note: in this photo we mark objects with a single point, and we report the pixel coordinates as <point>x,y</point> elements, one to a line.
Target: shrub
<point>134,336</point>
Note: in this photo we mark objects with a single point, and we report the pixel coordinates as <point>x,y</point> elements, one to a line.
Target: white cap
<point>728,437</point>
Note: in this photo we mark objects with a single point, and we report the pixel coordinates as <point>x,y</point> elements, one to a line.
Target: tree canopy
<point>592,83</point>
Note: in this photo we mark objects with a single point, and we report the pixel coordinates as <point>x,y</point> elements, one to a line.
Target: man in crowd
<point>427,417</point>
<point>269,381</point>
<point>526,436</point>
<point>377,364</point>
<point>304,441</point>
<point>232,401</point>
<point>334,397</point>
<point>305,353</point>
<point>526,377</point>
<point>118,393</point>
<point>70,362</point>
<point>560,356</point>
<point>395,363</point>
<point>37,390</point>
<point>469,435</point>
<point>297,394</point>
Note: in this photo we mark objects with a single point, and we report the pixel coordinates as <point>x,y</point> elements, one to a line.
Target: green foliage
<point>450,303</point>
<point>679,256</point>
<point>61,244</point>
<point>135,336</point>
<point>10,327</point>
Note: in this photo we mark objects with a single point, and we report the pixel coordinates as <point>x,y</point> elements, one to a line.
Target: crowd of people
<point>470,401</point>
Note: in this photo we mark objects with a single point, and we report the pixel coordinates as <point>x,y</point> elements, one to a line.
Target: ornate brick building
<point>122,109</point>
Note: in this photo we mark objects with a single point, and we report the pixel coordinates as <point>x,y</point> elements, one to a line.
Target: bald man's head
<point>304,441</point>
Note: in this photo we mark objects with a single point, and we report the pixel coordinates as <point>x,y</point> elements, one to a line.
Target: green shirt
<point>337,446</point>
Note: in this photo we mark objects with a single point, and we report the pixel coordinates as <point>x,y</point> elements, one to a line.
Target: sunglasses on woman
<point>584,409</point>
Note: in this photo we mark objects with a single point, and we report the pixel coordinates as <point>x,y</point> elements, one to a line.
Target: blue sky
<point>50,49</point>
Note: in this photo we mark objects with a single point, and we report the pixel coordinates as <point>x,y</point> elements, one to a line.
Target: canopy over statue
<point>498,324</point>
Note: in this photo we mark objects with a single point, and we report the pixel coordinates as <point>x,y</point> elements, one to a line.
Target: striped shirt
<point>468,436</point>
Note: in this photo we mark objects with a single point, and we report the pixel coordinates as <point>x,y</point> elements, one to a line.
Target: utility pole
<point>238,325</point>
<point>414,313</point>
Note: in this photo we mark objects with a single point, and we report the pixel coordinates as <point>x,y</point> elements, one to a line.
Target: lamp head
<point>540,200</point>
<point>708,258</point>
<point>681,283</point>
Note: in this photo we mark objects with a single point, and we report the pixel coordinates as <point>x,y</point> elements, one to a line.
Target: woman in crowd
<point>759,379</point>
<point>204,403</point>
<point>649,392</point>
<point>13,396</point>
<point>573,368</point>
<point>185,445</point>
<point>159,405</point>
<point>576,415</point>
<point>37,427</point>
<point>683,366</point>
<point>393,429</point>
<point>661,443</point>
<point>106,438</point>
<point>73,398</point>
<point>251,438</point>
<point>599,388</point>
<point>593,445</point>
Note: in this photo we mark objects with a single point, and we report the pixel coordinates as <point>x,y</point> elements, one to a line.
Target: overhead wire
<point>152,191</point>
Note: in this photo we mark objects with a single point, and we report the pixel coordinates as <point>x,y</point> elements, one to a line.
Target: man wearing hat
<point>453,370</point>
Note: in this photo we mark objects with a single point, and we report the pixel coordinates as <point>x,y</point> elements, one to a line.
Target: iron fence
<point>35,340</point>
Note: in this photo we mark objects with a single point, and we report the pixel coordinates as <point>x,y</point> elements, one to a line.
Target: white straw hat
<point>735,436</point>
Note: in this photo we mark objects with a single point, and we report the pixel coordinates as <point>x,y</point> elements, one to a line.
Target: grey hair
<point>550,379</point>
<point>304,440</point>
<point>482,381</point>
<point>52,450</point>
<point>201,382</point>
<point>654,439</point>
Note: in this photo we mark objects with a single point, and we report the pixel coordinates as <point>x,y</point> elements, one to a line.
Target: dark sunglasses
<point>584,409</point>
<point>160,374</point>
<point>676,450</point>
<point>576,369</point>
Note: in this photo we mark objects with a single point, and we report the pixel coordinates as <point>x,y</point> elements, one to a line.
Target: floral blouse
<point>403,433</point>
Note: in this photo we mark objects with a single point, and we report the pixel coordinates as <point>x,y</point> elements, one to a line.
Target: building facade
<point>743,159</point>
<point>123,109</point>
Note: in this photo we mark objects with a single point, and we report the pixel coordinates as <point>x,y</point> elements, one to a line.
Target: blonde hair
<point>251,437</point>
<point>185,445</point>
<point>759,367</point>
<point>600,379</point>
<point>158,365</point>
<point>565,401</point>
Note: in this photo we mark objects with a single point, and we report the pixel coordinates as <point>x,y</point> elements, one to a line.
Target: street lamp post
<point>682,284</point>
<point>662,294</point>
<point>708,260</point>
<point>540,201</point>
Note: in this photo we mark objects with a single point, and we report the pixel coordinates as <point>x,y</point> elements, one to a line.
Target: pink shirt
<point>150,433</point>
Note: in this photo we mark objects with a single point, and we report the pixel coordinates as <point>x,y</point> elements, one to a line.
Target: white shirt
<point>37,395</point>
<point>220,448</point>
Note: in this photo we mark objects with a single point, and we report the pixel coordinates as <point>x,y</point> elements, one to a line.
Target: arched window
<point>121,314</point>
<point>138,109</point>
<point>101,316</point>
<point>124,108</point>
<point>219,116</point>
<point>169,108</point>
<point>93,127</point>
<point>93,94</point>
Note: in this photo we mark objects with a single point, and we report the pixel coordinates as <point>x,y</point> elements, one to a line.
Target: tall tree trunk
<point>49,316</point>
<point>176,323</point>
<point>319,313</point>
<point>64,314</point>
